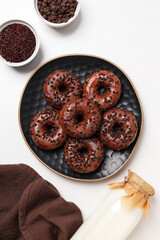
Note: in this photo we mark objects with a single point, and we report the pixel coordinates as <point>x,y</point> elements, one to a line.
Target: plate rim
<point>60,174</point>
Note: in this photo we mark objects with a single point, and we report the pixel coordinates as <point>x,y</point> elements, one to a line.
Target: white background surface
<point>125,32</point>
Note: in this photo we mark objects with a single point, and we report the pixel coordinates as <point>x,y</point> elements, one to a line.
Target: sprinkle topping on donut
<point>80,118</point>
<point>46,131</point>
<point>119,129</point>
<point>83,155</point>
<point>103,88</point>
<point>60,87</point>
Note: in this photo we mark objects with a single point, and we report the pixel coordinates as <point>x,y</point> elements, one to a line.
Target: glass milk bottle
<point>119,212</point>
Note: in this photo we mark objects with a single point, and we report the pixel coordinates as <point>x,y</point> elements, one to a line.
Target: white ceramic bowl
<point>58,25</point>
<point>19,64</point>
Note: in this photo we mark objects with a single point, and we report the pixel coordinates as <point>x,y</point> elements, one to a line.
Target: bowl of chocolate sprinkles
<point>57,13</point>
<point>19,43</point>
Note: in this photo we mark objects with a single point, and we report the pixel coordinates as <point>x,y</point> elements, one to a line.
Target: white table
<point>125,32</point>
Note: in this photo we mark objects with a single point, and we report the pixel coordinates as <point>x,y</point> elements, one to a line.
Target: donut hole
<point>79,117</point>
<point>62,88</point>
<point>117,128</point>
<point>102,89</point>
<point>50,128</point>
<point>83,150</point>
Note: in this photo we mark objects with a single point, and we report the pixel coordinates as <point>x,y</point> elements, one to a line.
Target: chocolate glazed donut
<point>60,87</point>
<point>119,129</point>
<point>103,88</point>
<point>80,118</point>
<point>46,131</point>
<point>83,155</point>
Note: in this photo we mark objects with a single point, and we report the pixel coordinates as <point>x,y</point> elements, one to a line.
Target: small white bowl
<point>58,25</point>
<point>19,64</point>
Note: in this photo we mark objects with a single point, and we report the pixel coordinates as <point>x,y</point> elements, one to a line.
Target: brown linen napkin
<point>32,209</point>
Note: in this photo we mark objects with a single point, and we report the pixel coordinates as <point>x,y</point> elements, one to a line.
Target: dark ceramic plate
<point>33,101</point>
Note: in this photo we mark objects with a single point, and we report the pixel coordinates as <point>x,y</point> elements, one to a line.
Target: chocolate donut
<point>83,155</point>
<point>119,129</point>
<point>60,87</point>
<point>46,131</point>
<point>103,88</point>
<point>80,118</point>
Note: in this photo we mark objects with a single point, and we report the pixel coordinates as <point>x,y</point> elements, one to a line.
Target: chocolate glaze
<point>83,155</point>
<point>128,128</point>
<point>90,122</point>
<point>53,85</point>
<point>40,133</point>
<point>107,80</point>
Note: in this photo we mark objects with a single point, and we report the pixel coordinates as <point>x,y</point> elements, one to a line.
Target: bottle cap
<point>140,184</point>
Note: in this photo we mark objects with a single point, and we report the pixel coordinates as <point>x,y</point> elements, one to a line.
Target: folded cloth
<point>32,209</point>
